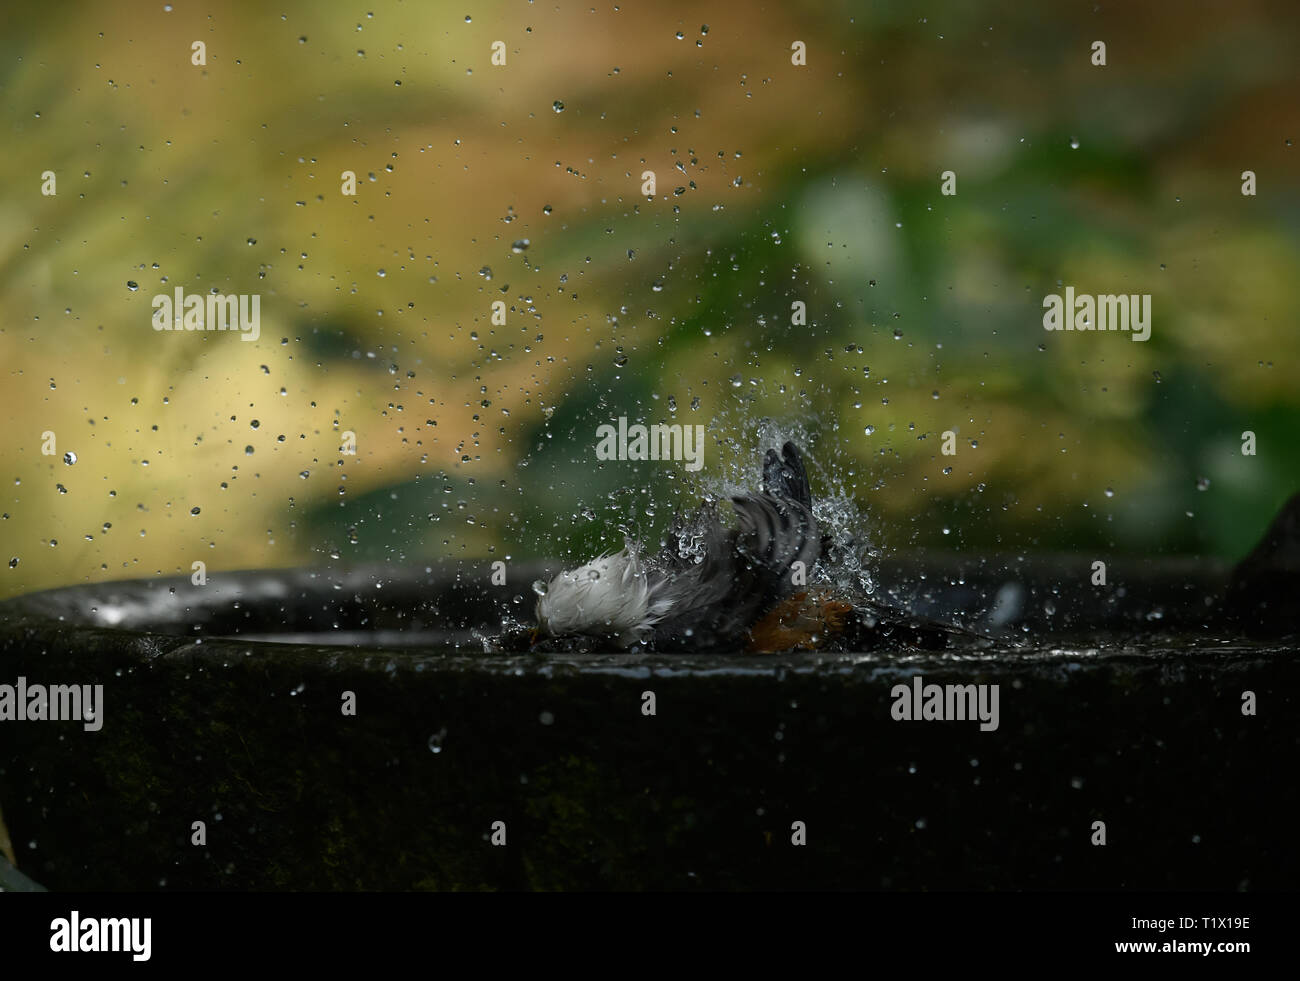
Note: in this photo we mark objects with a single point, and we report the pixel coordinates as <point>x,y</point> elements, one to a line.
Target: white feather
<point>609,596</point>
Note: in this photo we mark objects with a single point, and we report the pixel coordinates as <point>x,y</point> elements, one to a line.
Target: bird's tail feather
<point>785,476</point>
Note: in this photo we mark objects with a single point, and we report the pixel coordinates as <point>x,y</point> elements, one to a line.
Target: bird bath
<point>227,704</point>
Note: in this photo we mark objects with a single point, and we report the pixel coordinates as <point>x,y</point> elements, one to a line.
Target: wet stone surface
<point>223,704</point>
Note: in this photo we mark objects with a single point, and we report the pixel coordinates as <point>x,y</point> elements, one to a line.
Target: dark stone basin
<point>223,704</point>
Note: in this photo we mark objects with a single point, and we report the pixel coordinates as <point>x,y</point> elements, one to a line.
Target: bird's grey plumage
<point>708,596</point>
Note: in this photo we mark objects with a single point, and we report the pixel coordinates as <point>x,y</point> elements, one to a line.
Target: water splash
<point>736,442</point>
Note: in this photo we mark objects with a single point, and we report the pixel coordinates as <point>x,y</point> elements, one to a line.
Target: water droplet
<point>435,741</point>
<point>69,458</point>
<point>520,245</point>
<point>194,510</point>
<point>132,285</point>
<point>1202,483</point>
<point>557,105</point>
<point>1110,492</point>
<point>1074,143</point>
<point>546,718</point>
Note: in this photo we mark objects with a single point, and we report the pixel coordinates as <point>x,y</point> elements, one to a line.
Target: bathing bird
<point>715,586</point>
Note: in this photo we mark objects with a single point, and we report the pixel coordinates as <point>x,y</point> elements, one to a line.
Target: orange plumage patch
<point>802,622</point>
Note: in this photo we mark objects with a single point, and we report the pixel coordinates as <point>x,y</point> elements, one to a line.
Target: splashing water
<point>735,445</point>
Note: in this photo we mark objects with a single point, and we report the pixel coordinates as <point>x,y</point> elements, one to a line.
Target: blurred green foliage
<point>776,183</point>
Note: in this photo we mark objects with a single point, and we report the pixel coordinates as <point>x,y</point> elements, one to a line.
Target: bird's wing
<point>713,598</point>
